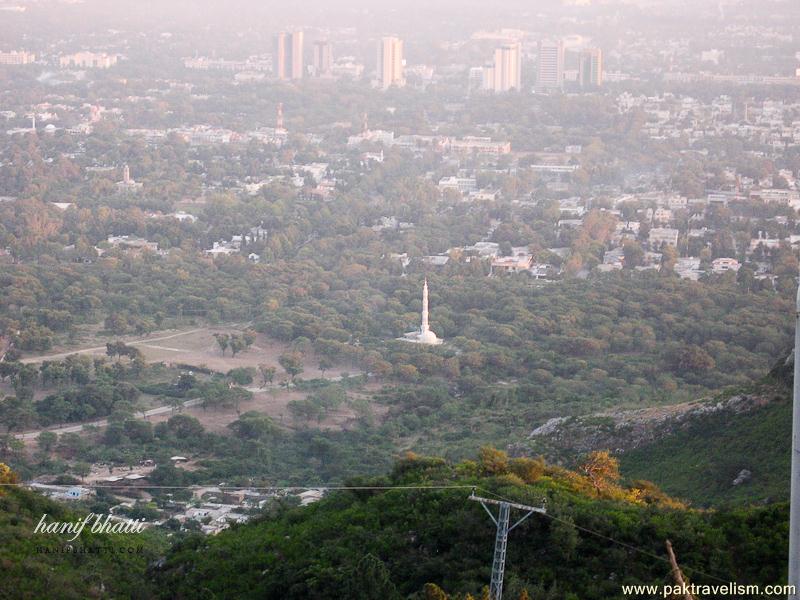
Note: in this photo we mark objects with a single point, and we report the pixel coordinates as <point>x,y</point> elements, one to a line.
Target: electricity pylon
<point>501,539</point>
<point>794,498</point>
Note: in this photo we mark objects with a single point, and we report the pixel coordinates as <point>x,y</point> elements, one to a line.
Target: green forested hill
<point>390,544</point>
<point>700,462</point>
<point>27,574</point>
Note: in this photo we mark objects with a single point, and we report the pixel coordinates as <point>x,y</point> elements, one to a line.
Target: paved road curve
<point>143,341</point>
<point>30,435</point>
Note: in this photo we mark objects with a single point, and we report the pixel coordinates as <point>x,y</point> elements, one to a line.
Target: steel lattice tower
<point>501,539</point>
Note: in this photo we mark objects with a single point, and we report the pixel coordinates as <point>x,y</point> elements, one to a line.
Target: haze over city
<point>294,294</point>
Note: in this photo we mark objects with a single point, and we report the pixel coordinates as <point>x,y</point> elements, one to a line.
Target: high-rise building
<point>590,68</point>
<point>505,72</point>
<point>298,66</point>
<point>551,65</point>
<point>279,59</point>
<point>487,81</point>
<point>476,75</point>
<point>390,63</point>
<point>323,58</point>
<point>288,60</point>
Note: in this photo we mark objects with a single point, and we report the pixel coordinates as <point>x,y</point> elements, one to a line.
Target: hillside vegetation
<point>79,574</point>
<point>701,461</point>
<point>597,535</point>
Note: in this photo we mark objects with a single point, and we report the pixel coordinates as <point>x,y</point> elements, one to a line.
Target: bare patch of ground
<point>273,403</point>
<point>198,347</point>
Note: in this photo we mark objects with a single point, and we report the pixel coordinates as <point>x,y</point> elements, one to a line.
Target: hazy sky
<point>51,18</point>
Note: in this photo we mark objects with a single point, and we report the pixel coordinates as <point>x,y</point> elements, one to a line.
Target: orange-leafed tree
<point>7,476</point>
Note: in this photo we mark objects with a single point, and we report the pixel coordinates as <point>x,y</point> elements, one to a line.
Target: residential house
<point>659,236</point>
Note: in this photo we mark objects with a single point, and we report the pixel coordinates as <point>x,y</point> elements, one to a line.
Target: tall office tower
<point>551,65</point>
<point>279,59</point>
<point>590,68</point>
<point>288,59</point>
<point>390,63</point>
<point>323,58</point>
<point>297,55</point>
<point>505,73</point>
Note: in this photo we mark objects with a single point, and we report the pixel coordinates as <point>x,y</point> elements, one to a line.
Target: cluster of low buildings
<point>670,220</point>
<point>466,145</point>
<point>237,244</point>
<point>77,60</point>
<point>519,260</point>
<point>210,509</point>
<point>772,123</point>
<point>46,117</point>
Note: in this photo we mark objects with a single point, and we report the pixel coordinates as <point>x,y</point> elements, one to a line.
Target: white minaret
<point>794,498</point>
<point>426,336</point>
<point>423,335</point>
<point>424,327</point>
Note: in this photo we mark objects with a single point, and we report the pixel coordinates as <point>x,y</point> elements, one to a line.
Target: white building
<point>464,185</point>
<point>310,496</point>
<point>722,265</point>
<point>663,235</point>
<point>88,60</point>
<point>478,145</point>
<point>512,264</point>
<point>688,268</point>
<point>17,58</point>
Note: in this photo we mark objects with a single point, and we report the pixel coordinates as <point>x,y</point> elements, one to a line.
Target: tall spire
<point>425,327</point>
<point>423,335</point>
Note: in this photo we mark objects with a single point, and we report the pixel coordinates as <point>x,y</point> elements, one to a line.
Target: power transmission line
<point>619,543</point>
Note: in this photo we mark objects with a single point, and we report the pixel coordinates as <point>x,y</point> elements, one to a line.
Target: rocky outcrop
<point>622,430</point>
